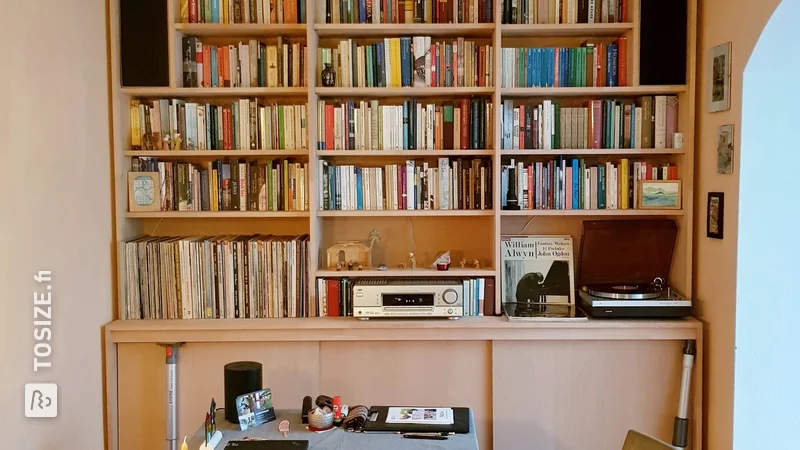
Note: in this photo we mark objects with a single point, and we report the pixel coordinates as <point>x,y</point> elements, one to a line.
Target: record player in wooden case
<point>624,268</point>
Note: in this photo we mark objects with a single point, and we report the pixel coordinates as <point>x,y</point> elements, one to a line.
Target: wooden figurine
<point>477,263</point>
<point>463,263</point>
<point>413,260</point>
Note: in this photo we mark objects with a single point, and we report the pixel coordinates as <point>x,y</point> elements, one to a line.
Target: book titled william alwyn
<point>538,277</point>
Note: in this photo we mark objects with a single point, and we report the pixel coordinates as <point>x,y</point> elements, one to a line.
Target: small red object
<point>443,266</point>
<point>337,408</point>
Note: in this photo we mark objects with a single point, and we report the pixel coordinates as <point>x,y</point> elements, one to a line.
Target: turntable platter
<point>622,291</point>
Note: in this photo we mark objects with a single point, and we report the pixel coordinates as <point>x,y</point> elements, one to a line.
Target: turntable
<point>624,265</point>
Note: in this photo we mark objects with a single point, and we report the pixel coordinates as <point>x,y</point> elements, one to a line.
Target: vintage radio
<point>407,298</point>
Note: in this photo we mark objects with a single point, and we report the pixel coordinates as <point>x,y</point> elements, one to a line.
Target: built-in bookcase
<point>468,233</point>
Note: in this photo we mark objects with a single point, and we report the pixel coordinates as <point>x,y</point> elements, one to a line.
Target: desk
<point>334,439</point>
<point>590,381</point>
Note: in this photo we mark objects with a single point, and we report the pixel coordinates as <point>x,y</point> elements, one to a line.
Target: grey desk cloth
<point>336,439</point>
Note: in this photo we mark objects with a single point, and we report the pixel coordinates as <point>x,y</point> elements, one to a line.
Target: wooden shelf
<point>214,153</point>
<point>403,92</point>
<point>404,153</point>
<point>407,213</point>
<point>452,273</point>
<point>241,29</point>
<point>597,152</point>
<point>397,29</point>
<point>566,30</point>
<point>593,212</point>
<point>157,91</point>
<point>215,214</point>
<point>592,91</point>
<point>351,329</point>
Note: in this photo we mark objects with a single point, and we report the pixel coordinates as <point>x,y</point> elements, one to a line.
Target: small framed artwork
<point>659,194</point>
<point>720,91</point>
<point>716,213</point>
<point>143,192</point>
<point>725,149</point>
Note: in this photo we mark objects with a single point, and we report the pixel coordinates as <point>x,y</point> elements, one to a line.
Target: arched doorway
<point>767,358</point>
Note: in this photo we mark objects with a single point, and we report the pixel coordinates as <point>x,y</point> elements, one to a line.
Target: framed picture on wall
<point>716,210</point>
<point>720,91</point>
<point>725,149</point>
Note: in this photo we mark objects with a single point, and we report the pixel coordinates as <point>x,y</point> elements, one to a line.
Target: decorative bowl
<point>320,421</point>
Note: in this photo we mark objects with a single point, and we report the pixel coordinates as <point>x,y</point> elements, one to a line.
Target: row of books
<point>243,11</point>
<point>591,65</point>
<point>449,184</point>
<point>572,183</point>
<point>564,11</point>
<point>216,277</point>
<point>647,122</point>
<point>244,124</point>
<point>251,64</point>
<point>335,296</point>
<point>221,185</point>
<point>367,125</point>
<point>408,11</point>
<point>408,61</point>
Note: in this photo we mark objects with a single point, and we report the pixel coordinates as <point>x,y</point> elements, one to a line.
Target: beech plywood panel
<point>583,395</point>
<point>412,373</point>
<point>290,370</point>
<point>141,390</point>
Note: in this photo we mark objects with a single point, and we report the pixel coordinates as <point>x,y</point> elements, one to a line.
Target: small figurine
<point>382,267</point>
<point>463,263</point>
<point>360,266</point>
<point>283,427</point>
<point>350,265</point>
<point>176,141</point>
<point>477,263</point>
<point>328,76</point>
<point>339,266</point>
<point>402,265</point>
<point>413,260</point>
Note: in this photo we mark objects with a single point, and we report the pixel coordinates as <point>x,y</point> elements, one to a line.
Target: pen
<point>423,436</point>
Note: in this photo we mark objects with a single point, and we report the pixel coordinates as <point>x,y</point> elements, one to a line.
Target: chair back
<point>638,441</point>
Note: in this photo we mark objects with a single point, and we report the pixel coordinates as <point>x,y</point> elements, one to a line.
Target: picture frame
<point>659,194</point>
<point>720,71</point>
<point>144,192</point>
<point>725,149</point>
<point>715,214</point>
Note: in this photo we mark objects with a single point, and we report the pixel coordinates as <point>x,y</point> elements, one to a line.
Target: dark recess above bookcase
<point>662,51</point>
<point>144,44</point>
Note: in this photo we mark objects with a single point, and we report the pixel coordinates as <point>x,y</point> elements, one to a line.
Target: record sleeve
<point>538,270</point>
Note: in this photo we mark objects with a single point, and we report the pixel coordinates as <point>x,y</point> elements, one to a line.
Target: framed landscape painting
<point>659,194</point>
<point>720,91</point>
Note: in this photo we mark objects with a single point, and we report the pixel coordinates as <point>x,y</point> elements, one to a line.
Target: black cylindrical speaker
<point>241,377</point>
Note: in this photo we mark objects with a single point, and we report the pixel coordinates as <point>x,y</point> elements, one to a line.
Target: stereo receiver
<point>408,298</point>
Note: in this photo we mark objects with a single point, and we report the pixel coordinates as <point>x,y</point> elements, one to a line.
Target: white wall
<point>55,214</point>
<point>766,388</point>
